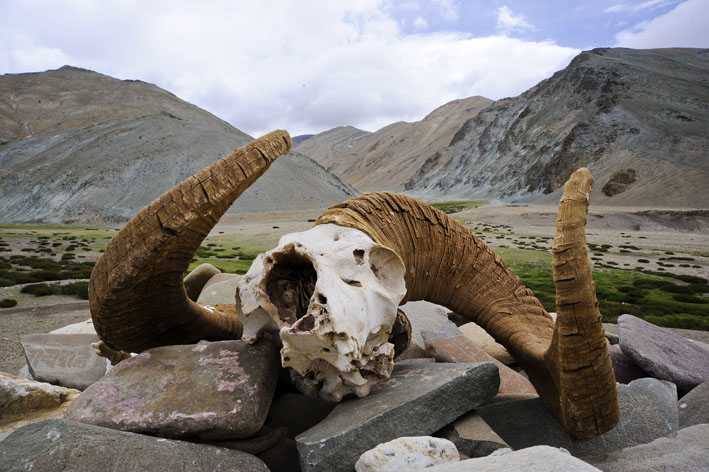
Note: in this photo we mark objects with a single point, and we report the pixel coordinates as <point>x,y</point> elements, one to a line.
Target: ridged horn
<point>448,265</point>
<point>136,293</point>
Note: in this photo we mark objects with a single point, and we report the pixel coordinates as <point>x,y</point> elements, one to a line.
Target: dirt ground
<point>653,232</point>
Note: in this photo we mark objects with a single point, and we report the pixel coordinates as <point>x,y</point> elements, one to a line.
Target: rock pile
<point>454,402</point>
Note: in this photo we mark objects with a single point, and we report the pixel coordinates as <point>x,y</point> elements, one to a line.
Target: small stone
<point>694,407</point>
<point>648,410</point>
<point>408,453</point>
<point>425,316</point>
<point>224,276</point>
<point>56,445</point>
<point>472,436</point>
<point>197,278</point>
<point>64,359</point>
<point>218,390</point>
<point>612,338</point>
<point>662,353</point>
<point>450,345</point>
<point>25,401</point>
<point>624,368</point>
<point>221,293</point>
<point>533,459</point>
<point>487,343</point>
<point>417,400</point>
<point>688,450</point>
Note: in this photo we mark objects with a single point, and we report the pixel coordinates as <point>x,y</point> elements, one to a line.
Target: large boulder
<point>417,400</point>
<point>64,359</point>
<point>663,354</point>
<point>61,445</point>
<point>218,390</point>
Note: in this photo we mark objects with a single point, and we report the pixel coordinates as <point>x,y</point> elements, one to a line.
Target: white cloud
<point>448,9</point>
<point>420,23</point>
<point>303,66</point>
<point>507,22</point>
<point>687,25</point>
<point>623,7</point>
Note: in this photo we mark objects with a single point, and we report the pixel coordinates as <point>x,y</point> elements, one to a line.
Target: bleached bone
<point>333,294</point>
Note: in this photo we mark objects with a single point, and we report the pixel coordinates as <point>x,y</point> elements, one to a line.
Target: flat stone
<point>408,453</point>
<point>297,412</point>
<point>218,390</point>
<point>533,459</point>
<point>624,368</point>
<point>694,407</point>
<point>224,276</point>
<point>687,450</point>
<point>220,293</point>
<point>61,445</point>
<point>662,353</point>
<point>448,344</point>
<point>648,410</point>
<point>64,359</point>
<point>417,400</point>
<point>425,316</point>
<point>24,401</point>
<point>691,334</point>
<point>197,278</point>
<point>82,327</point>
<point>487,343</point>
<point>472,436</point>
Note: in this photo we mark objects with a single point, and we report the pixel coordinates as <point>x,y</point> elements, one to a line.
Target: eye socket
<point>388,268</point>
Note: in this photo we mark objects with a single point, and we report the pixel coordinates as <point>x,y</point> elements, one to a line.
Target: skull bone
<point>332,293</point>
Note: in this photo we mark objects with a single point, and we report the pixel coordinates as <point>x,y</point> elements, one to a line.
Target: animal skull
<point>332,293</point>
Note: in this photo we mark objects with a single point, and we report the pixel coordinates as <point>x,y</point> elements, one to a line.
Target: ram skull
<point>331,292</point>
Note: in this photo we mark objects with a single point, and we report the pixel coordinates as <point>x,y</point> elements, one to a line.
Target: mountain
<point>81,147</point>
<point>388,158</point>
<point>300,138</point>
<point>638,119</point>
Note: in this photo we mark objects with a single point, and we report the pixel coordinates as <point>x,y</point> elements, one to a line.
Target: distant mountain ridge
<point>77,146</point>
<point>388,158</point>
<point>639,119</point>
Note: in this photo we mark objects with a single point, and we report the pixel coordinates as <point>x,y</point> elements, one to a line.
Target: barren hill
<point>80,147</point>
<point>637,118</point>
<point>386,159</point>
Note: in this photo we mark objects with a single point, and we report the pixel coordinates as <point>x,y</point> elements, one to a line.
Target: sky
<point>311,65</point>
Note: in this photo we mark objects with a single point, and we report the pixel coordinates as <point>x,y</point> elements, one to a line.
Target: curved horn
<point>448,265</point>
<point>136,294</point>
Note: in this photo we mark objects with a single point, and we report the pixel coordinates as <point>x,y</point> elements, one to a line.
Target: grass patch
<point>674,299</point>
<point>28,269</point>
<point>7,303</point>
<point>455,206</point>
<point>75,289</point>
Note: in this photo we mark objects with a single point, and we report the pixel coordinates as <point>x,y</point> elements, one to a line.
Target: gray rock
<point>662,353</point>
<point>61,445</point>
<point>425,316</point>
<point>219,390</point>
<point>82,327</point>
<point>694,407</point>
<point>64,359</point>
<point>612,338</point>
<point>197,278</point>
<point>223,292</point>
<point>416,400</point>
<point>533,459</point>
<point>687,450</point>
<point>648,410</point>
<point>473,436</point>
<point>624,368</point>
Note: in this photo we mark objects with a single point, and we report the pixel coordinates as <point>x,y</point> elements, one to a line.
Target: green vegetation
<point>29,269</point>
<point>456,206</point>
<point>662,298</point>
<point>7,303</point>
<point>76,289</point>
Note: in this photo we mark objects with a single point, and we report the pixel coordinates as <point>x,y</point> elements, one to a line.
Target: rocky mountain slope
<point>637,118</point>
<point>388,158</point>
<point>80,147</point>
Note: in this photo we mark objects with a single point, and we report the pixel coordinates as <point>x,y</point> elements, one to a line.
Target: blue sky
<point>310,65</point>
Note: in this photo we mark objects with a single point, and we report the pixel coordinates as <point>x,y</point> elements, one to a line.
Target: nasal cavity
<point>359,256</point>
<point>290,284</point>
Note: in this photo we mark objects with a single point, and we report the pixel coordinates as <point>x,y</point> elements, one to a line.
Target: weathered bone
<point>332,292</point>
<point>448,265</point>
<point>136,294</point>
